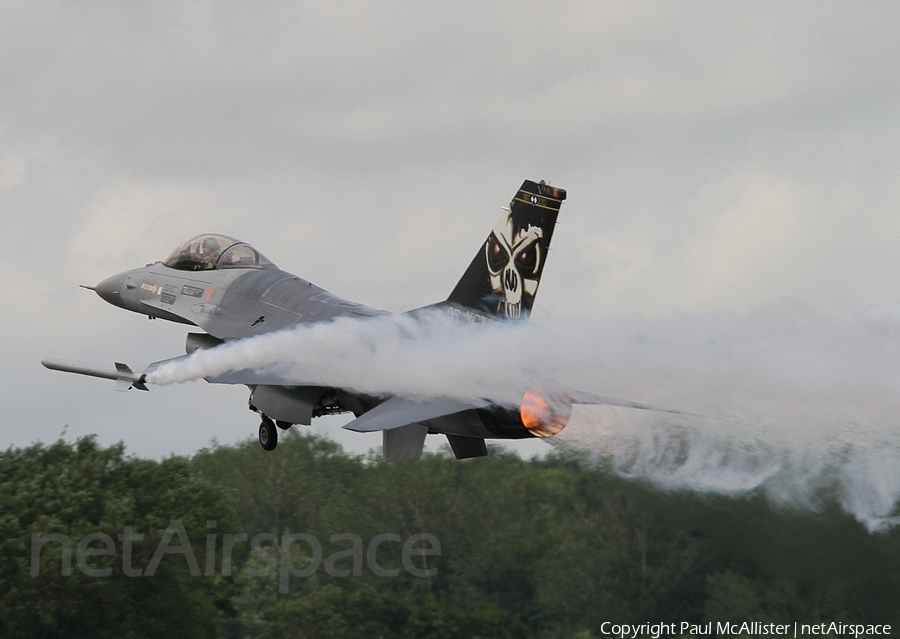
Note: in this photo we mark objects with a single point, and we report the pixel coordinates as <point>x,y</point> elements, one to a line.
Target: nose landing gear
<point>268,435</point>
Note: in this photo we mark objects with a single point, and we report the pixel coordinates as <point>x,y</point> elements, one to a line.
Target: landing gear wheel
<point>282,424</point>
<point>268,436</point>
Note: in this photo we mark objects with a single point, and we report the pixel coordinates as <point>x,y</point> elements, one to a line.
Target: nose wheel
<point>268,434</point>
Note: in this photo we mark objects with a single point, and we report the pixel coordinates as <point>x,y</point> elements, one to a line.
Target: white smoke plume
<point>800,406</point>
<point>425,355</point>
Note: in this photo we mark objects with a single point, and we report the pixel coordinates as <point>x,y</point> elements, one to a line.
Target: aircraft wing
<point>152,367</point>
<point>400,411</point>
<point>397,412</point>
<point>246,376</point>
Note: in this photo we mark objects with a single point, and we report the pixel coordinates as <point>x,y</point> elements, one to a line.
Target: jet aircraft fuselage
<point>232,292</point>
<point>228,296</point>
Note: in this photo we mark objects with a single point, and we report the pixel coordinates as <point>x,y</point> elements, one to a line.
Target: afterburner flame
<point>544,413</point>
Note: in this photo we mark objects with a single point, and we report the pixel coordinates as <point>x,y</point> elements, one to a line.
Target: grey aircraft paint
<point>231,291</point>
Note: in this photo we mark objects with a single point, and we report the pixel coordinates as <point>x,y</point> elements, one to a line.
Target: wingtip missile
<point>124,377</point>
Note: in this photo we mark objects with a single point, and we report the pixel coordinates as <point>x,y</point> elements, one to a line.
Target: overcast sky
<point>719,158</point>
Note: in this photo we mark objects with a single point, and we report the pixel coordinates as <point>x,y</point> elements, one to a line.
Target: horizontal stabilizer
<point>400,411</point>
<point>588,398</point>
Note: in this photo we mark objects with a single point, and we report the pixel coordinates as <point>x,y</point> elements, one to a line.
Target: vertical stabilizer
<point>502,280</point>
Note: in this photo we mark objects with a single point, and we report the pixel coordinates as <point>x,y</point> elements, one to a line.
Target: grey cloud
<point>717,158</point>
<point>211,88</point>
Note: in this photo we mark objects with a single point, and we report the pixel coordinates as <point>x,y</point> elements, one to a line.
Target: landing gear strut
<point>268,435</point>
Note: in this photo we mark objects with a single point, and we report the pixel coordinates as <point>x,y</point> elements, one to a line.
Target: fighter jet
<point>232,292</point>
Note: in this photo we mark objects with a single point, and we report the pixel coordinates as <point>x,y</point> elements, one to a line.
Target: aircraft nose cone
<point>109,289</point>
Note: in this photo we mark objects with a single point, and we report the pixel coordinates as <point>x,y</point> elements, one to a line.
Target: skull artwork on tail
<point>514,258</point>
<point>502,280</point>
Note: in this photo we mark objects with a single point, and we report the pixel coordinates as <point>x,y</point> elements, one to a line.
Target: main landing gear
<point>268,435</point>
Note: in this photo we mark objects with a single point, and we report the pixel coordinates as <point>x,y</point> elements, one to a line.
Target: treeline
<point>348,547</point>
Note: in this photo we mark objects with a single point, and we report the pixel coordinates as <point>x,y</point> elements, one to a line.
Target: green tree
<point>80,489</point>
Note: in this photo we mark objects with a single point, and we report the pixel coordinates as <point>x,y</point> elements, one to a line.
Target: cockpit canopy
<point>210,251</point>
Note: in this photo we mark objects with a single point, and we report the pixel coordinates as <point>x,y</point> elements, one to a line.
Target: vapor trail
<point>802,407</point>
<point>423,356</point>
